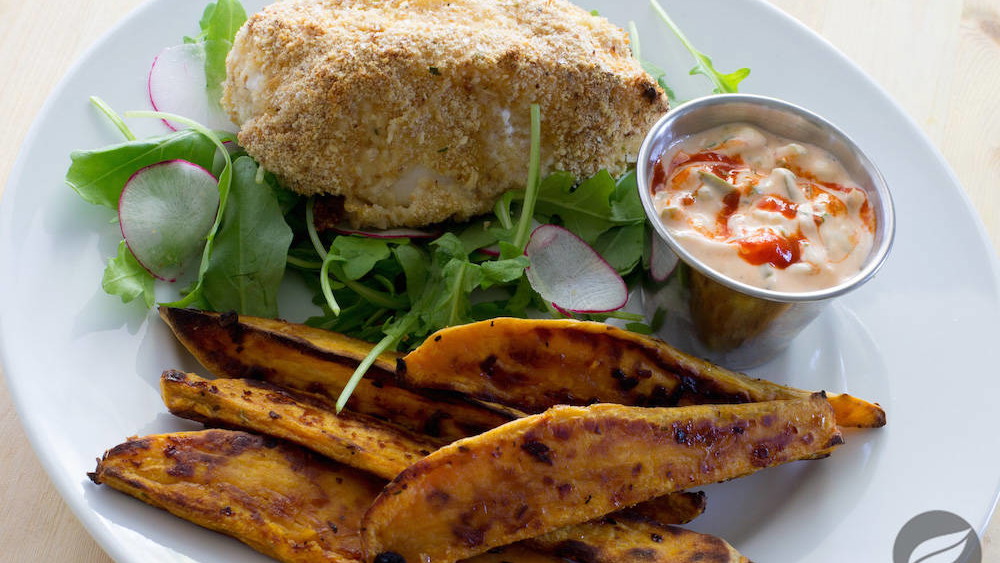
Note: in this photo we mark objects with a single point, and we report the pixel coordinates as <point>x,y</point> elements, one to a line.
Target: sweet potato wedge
<point>320,362</point>
<point>674,508</point>
<point>350,438</point>
<point>288,503</point>
<point>277,498</point>
<point>532,365</point>
<point>634,540</point>
<point>574,464</point>
<point>516,553</point>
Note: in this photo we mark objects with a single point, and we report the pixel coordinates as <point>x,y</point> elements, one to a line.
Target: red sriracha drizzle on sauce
<point>771,248</point>
<point>719,164</point>
<point>767,247</point>
<point>763,209</point>
<point>778,204</point>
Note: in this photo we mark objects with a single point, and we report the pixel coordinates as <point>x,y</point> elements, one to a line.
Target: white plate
<point>921,339</point>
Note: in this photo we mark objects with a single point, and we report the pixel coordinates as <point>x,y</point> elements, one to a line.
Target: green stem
<point>374,296</point>
<point>389,341</point>
<point>622,315</point>
<point>374,318</point>
<point>673,27</point>
<point>311,228</point>
<point>324,284</point>
<point>327,257</point>
<point>303,264</point>
<point>502,211</point>
<point>113,117</point>
<point>531,190</point>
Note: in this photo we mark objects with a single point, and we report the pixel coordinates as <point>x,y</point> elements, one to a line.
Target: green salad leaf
<point>99,175</point>
<point>251,247</point>
<point>126,278</point>
<point>592,207</point>
<point>219,23</point>
<point>359,255</point>
<point>221,20</point>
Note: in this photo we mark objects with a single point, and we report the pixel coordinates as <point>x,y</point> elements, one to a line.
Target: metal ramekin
<point>710,314</point>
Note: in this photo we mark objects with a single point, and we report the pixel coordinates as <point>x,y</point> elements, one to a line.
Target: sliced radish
<point>385,233</point>
<point>662,260</point>
<point>177,85</point>
<point>165,211</point>
<point>491,250</point>
<point>566,271</point>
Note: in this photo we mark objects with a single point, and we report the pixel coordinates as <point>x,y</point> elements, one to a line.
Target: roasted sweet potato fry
<point>675,508</point>
<point>288,503</point>
<point>354,439</point>
<point>318,361</point>
<point>279,499</point>
<point>634,540</point>
<point>532,365</point>
<point>350,438</point>
<point>573,464</point>
<point>516,553</point>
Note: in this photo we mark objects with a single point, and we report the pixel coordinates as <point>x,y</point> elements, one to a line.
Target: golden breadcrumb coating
<point>418,111</point>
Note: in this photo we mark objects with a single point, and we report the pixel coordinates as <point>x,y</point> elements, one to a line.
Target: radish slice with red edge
<point>491,250</point>
<point>570,274</point>
<point>177,85</point>
<point>662,260</point>
<point>384,233</point>
<point>165,212</point>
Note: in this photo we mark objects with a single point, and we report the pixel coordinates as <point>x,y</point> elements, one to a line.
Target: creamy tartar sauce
<point>764,210</point>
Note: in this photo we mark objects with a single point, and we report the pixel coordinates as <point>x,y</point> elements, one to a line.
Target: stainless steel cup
<point>710,314</point>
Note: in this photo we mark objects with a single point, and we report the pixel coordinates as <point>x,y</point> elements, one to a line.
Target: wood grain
<point>940,59</point>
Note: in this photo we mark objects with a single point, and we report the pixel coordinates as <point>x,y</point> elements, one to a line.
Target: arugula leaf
<point>626,205</point>
<point>219,24</point>
<point>99,175</point>
<point>251,247</point>
<point>450,305</point>
<point>359,254</point>
<point>449,246</point>
<point>222,20</point>
<point>478,235</point>
<point>414,262</point>
<point>216,51</point>
<point>724,83</point>
<point>126,278</point>
<point>589,209</point>
<point>622,248</point>
<point>500,272</point>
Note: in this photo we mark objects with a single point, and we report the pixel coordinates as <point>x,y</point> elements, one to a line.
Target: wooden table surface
<point>940,59</point>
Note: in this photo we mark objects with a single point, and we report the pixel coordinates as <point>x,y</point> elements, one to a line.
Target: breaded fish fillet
<point>418,111</point>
